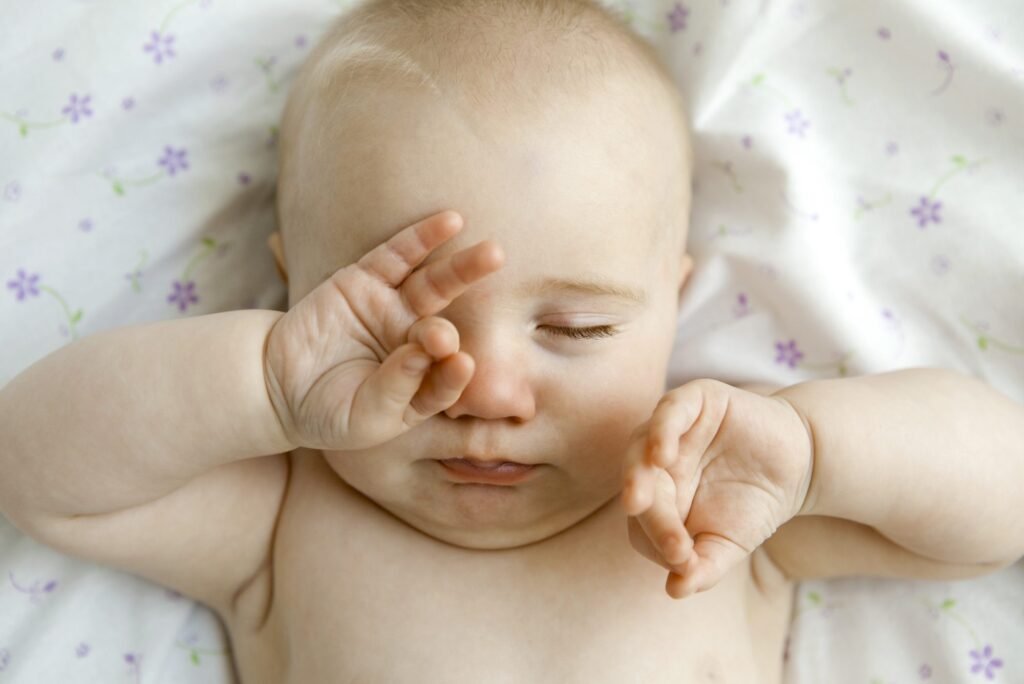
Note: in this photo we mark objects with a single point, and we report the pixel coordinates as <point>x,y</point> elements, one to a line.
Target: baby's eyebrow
<point>600,288</point>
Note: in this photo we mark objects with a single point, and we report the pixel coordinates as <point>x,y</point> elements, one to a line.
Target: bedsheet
<point>857,209</point>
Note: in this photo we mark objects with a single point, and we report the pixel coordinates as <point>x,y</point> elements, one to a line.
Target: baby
<point>453,459</point>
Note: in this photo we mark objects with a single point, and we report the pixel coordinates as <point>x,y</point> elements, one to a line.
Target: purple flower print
<point>884,33</point>
<point>940,264</point>
<point>12,191</point>
<point>892,148</point>
<point>841,76</point>
<point>160,46</point>
<point>797,123</point>
<point>173,160</point>
<point>925,671</point>
<point>85,224</point>
<point>677,17</point>
<point>24,285</point>
<point>5,658</point>
<point>127,103</point>
<point>788,353</point>
<point>985,661</point>
<point>742,306</point>
<point>946,64</point>
<point>927,211</point>
<point>58,54</point>
<point>33,591</point>
<point>77,107</point>
<point>134,664</point>
<point>82,650</point>
<point>183,295</point>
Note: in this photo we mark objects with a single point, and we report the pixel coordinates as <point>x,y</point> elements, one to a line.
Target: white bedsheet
<point>858,209</point>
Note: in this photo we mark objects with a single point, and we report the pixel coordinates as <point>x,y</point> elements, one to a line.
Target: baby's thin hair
<point>453,48</point>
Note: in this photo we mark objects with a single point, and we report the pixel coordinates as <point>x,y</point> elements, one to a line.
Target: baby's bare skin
<point>332,560</point>
<point>358,596</point>
<point>335,588</point>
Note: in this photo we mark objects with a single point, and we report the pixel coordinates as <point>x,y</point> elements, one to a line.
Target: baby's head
<point>558,134</point>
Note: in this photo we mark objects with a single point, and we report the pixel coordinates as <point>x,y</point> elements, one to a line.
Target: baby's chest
<point>366,598</point>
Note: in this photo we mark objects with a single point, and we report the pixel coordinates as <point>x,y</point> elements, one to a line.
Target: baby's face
<point>575,203</point>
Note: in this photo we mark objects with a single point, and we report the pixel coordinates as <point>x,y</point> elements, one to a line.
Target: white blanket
<point>858,209</point>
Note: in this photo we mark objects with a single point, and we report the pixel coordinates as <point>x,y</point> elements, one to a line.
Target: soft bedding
<point>857,209</point>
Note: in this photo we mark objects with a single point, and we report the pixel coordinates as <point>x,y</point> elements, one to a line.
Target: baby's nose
<point>499,388</point>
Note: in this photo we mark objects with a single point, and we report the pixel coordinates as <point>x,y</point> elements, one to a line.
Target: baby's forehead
<point>539,167</point>
<point>550,195</point>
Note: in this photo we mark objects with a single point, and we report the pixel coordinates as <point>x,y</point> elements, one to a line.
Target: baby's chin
<point>490,518</point>
<point>478,516</point>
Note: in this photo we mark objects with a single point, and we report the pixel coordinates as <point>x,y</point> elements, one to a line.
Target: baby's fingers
<point>442,387</point>
<point>433,287</point>
<point>674,415</point>
<point>712,557</point>
<point>383,406</point>
<point>637,475</point>
<point>393,260</point>
<point>437,336</point>
<point>663,525</point>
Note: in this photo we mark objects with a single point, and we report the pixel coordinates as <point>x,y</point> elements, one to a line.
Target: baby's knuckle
<point>668,540</point>
<point>412,417</point>
<point>669,399</point>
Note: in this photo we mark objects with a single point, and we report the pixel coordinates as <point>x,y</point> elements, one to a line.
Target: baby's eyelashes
<point>581,333</point>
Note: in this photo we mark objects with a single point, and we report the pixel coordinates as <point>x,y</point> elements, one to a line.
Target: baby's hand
<point>713,473</point>
<point>361,359</point>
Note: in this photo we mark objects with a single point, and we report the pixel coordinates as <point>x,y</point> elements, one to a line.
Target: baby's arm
<point>125,416</point>
<point>136,447</point>
<point>126,447</point>
<point>931,459</point>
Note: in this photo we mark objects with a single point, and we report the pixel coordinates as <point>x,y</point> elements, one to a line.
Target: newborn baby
<point>454,458</point>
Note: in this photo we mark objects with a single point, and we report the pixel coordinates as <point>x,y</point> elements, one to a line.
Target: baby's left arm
<point>914,473</point>
<point>932,459</point>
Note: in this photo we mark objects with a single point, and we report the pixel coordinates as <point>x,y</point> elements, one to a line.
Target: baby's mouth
<point>486,472</point>
<point>485,465</point>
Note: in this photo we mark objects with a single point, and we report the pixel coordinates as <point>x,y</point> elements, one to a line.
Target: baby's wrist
<point>803,440</point>
<point>280,415</point>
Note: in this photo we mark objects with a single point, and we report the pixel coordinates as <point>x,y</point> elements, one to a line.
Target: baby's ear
<point>277,248</point>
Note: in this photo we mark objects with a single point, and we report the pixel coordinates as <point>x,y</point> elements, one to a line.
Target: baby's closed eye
<point>581,333</point>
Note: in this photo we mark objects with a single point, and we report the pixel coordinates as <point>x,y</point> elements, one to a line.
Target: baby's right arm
<point>125,416</point>
<point>126,448</point>
<point>136,447</point>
